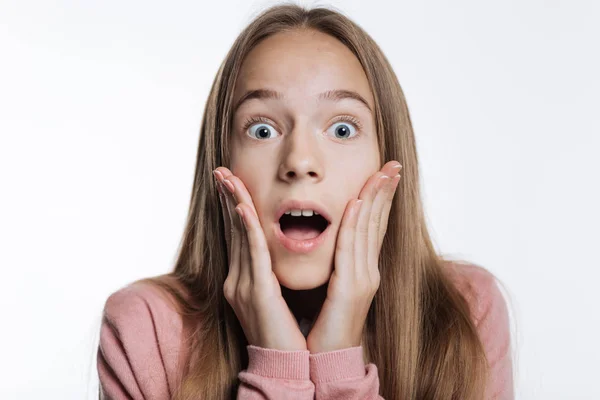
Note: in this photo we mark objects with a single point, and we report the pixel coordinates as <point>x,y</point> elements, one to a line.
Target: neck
<point>305,303</point>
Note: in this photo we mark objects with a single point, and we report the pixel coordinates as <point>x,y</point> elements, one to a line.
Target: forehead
<point>302,64</point>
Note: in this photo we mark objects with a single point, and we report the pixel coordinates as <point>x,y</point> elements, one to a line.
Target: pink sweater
<point>141,335</point>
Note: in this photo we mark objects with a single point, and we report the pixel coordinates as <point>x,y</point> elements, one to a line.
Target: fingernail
<point>382,180</point>
<point>357,206</point>
<point>218,175</point>
<point>397,166</point>
<point>229,185</point>
<point>240,212</point>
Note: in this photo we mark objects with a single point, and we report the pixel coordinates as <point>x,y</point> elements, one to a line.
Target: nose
<point>301,157</point>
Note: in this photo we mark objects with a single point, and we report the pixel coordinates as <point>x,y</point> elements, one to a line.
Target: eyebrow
<point>335,95</point>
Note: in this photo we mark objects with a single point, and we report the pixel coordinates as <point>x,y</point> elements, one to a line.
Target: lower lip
<point>301,246</point>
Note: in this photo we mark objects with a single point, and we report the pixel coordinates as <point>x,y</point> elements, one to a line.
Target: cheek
<point>257,186</point>
<point>355,179</point>
<point>251,182</point>
<point>249,169</point>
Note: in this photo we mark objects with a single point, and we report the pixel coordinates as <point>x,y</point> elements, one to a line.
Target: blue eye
<point>263,130</point>
<point>344,131</point>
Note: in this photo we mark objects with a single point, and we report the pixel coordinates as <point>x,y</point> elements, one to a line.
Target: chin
<point>300,277</point>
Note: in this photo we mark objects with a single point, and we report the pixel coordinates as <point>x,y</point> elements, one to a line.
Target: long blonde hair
<point>418,331</point>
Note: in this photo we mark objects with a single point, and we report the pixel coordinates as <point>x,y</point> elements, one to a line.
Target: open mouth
<point>301,227</point>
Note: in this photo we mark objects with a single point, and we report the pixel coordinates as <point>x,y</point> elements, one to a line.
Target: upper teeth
<point>304,213</point>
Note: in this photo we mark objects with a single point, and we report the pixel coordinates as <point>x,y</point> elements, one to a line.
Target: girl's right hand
<point>251,287</point>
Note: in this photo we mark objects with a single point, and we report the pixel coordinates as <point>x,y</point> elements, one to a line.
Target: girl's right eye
<point>262,129</point>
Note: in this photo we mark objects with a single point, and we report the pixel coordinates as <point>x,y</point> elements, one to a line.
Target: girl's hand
<point>251,287</point>
<point>355,277</point>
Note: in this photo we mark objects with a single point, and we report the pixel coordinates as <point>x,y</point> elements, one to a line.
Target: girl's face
<point>304,147</point>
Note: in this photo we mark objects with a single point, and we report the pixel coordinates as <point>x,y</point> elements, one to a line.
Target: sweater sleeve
<point>342,374</point>
<point>138,346</point>
<point>490,315</point>
<point>139,350</point>
<point>276,374</point>
<point>493,327</point>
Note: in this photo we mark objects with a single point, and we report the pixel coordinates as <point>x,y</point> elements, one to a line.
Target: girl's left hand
<point>355,278</point>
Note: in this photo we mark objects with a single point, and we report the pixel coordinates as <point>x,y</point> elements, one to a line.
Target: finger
<point>245,265</point>
<point>344,253</point>
<point>372,264</point>
<point>374,219</point>
<point>386,210</point>
<point>361,247</point>
<point>375,229</point>
<point>259,259</point>
<point>235,232</point>
<point>224,212</point>
<point>245,259</point>
<point>241,193</point>
<point>226,218</point>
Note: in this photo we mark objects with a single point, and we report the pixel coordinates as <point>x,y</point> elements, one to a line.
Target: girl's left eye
<point>344,129</point>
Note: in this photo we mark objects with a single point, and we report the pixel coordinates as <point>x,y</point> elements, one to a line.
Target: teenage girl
<point>306,269</point>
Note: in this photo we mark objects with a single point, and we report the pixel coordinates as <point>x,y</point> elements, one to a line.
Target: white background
<point>100,109</point>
